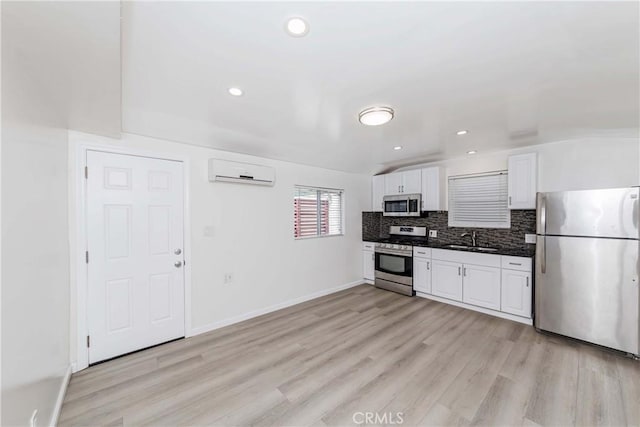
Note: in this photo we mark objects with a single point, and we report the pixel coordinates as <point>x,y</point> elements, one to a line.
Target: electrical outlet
<point>33,422</point>
<point>529,238</point>
<point>433,233</point>
<point>228,278</point>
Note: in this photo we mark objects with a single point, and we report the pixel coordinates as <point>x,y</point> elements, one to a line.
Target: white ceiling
<point>513,74</point>
<point>69,52</point>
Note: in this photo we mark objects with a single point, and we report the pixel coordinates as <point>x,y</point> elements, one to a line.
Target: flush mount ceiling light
<point>462,132</point>
<point>297,27</point>
<point>472,152</point>
<point>397,147</point>
<point>375,116</point>
<point>235,91</point>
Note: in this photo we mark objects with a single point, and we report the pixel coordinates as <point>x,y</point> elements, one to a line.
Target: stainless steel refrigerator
<point>587,266</point>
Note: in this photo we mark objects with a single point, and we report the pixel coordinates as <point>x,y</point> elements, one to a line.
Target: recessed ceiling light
<point>462,132</point>
<point>397,147</point>
<point>297,27</point>
<point>472,152</point>
<point>375,116</point>
<point>235,91</point>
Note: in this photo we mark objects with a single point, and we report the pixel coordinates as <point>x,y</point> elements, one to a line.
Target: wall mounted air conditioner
<point>243,173</point>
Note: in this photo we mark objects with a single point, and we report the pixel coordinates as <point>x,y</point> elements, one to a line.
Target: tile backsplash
<point>375,225</point>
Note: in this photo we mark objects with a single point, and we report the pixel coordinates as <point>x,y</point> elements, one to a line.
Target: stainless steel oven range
<point>394,259</point>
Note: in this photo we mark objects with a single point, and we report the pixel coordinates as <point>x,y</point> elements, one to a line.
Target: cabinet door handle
<point>464,272</point>
<point>428,267</point>
<point>458,271</point>
<point>509,200</point>
<point>515,263</point>
<point>527,281</point>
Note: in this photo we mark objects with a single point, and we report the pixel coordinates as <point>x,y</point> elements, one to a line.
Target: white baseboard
<point>63,390</point>
<point>507,316</point>
<point>236,319</point>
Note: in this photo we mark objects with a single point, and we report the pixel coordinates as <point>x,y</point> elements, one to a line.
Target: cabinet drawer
<point>368,246</point>
<point>463,257</point>
<point>516,263</point>
<point>419,252</point>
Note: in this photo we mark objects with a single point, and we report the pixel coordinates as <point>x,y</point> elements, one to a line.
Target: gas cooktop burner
<point>404,241</point>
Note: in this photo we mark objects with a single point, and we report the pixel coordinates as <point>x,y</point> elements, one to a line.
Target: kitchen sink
<point>472,248</point>
<point>484,249</point>
<point>459,247</point>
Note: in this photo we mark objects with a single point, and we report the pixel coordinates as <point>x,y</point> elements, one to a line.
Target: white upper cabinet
<point>523,176</point>
<point>377,193</point>
<point>408,182</point>
<point>429,182</point>
<point>412,181</point>
<point>433,195</point>
<point>393,184</point>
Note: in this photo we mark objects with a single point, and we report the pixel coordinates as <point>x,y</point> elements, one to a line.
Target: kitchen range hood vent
<point>241,173</point>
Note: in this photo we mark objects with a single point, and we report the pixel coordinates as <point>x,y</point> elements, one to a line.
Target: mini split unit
<point>241,173</point>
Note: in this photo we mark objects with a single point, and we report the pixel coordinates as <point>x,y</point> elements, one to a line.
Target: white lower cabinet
<point>516,292</point>
<point>496,284</point>
<point>481,286</point>
<point>369,264</point>
<point>422,275</point>
<point>446,280</point>
<point>368,261</point>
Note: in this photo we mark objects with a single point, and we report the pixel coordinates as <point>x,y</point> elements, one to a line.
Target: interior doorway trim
<point>80,229</point>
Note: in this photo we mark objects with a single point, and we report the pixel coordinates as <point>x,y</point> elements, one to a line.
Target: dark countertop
<point>519,252</point>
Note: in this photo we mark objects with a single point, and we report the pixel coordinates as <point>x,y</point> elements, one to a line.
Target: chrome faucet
<point>474,237</point>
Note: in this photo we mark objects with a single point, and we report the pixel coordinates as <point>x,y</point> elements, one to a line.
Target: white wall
<point>581,164</point>
<point>35,255</point>
<point>252,234</point>
<point>60,68</point>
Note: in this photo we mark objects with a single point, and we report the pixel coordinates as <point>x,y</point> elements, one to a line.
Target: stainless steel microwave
<point>402,205</point>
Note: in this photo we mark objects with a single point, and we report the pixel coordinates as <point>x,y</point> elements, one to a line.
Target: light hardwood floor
<point>361,350</point>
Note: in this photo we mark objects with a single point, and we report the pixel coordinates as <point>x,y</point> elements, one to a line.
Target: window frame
<point>318,191</point>
<point>475,224</point>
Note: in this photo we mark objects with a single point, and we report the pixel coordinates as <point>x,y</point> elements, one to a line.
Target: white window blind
<point>317,212</point>
<point>479,201</point>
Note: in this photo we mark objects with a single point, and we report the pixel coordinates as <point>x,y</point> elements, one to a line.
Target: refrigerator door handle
<point>543,255</point>
<point>543,214</point>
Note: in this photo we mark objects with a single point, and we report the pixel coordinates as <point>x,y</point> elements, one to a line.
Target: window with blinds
<point>479,201</point>
<point>317,212</point>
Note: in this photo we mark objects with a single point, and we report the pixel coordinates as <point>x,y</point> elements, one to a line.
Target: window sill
<point>318,237</point>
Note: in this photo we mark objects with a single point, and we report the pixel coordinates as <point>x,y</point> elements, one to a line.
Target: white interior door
<point>135,226</point>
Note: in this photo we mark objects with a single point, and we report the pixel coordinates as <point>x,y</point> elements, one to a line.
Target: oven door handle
<point>395,253</point>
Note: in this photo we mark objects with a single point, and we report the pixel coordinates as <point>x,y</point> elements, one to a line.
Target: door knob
<point>177,251</point>
<point>178,264</point>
